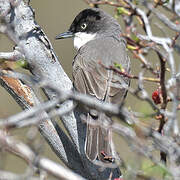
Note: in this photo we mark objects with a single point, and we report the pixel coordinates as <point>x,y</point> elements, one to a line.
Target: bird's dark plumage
<point>90,76</point>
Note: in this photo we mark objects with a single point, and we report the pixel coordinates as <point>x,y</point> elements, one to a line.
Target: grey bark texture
<point>18,23</point>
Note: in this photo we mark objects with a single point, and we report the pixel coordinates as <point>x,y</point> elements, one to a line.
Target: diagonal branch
<point>30,157</point>
<point>19,25</point>
<point>59,142</point>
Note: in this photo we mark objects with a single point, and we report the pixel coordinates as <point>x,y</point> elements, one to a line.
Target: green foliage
<point>119,66</point>
<point>122,10</point>
<point>131,47</point>
<point>22,64</point>
<point>135,38</point>
<point>5,64</point>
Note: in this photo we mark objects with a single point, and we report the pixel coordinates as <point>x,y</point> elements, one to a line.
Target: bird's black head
<point>90,24</point>
<point>88,20</point>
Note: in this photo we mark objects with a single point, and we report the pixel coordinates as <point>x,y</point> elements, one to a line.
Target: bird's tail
<point>98,144</point>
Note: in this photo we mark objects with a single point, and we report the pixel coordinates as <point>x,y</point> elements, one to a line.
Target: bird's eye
<point>83,26</point>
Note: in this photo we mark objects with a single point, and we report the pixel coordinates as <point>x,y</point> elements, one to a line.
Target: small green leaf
<point>22,63</point>
<point>122,10</point>
<point>132,47</point>
<point>135,38</point>
<point>119,66</point>
<point>116,16</point>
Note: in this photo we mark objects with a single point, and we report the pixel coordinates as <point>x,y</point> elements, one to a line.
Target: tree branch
<point>20,26</point>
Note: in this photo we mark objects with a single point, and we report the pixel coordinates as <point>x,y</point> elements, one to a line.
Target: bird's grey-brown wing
<point>87,80</point>
<point>91,77</point>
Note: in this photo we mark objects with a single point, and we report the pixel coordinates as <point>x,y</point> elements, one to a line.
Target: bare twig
<point>30,157</point>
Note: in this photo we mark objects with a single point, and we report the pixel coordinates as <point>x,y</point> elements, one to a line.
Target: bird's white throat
<point>81,38</point>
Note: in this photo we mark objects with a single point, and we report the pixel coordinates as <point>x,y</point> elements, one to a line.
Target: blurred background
<point>55,17</point>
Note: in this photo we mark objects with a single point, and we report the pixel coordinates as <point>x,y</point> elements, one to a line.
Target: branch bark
<point>30,157</point>
<point>19,25</point>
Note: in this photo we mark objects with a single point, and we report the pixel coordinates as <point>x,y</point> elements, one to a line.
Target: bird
<point>99,43</point>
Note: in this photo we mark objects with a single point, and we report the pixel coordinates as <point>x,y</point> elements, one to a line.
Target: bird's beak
<point>65,35</point>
